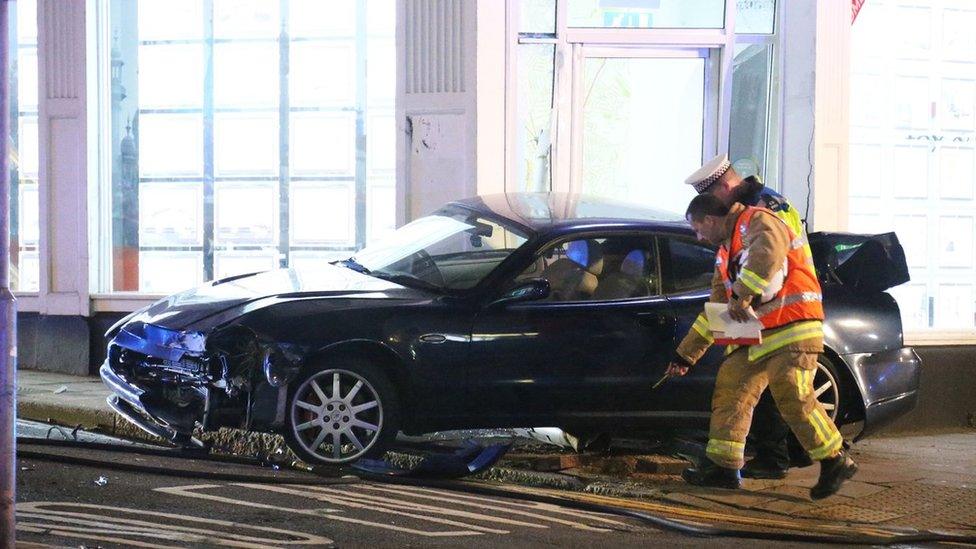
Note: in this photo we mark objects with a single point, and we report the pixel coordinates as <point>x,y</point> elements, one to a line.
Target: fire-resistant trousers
<point>739,383</point>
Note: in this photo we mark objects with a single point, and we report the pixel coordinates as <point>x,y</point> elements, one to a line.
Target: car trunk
<point>865,263</point>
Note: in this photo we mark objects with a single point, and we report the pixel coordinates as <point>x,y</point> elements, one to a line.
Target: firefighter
<point>774,443</point>
<point>761,269</point>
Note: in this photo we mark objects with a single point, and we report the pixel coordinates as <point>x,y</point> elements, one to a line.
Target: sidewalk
<point>923,481</point>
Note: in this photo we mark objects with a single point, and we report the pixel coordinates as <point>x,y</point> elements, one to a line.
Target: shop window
<point>695,14</point>
<point>750,127</point>
<point>913,151</point>
<point>245,135</point>
<point>23,142</point>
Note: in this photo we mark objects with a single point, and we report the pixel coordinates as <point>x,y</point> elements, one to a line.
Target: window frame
<point>506,283</point>
<point>568,41</point>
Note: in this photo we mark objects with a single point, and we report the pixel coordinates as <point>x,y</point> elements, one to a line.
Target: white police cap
<point>709,173</point>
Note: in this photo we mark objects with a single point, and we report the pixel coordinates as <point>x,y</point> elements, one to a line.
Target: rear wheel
<point>827,388</point>
<point>342,413</point>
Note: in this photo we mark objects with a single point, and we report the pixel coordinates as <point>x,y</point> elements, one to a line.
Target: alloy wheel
<point>826,390</point>
<point>336,416</point>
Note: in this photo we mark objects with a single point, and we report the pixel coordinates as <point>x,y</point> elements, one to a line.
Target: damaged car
<point>510,310</point>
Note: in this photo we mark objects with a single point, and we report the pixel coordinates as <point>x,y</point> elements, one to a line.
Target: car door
<point>589,351</point>
<point>687,267</point>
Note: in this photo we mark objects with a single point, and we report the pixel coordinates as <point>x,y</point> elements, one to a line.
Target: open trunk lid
<point>863,262</point>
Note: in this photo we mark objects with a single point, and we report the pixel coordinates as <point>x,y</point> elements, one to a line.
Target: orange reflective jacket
<point>798,296</point>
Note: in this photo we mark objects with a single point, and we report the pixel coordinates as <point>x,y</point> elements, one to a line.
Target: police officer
<point>772,438</point>
<point>761,269</point>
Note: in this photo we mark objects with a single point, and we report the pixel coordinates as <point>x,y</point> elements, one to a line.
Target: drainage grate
<point>849,513</point>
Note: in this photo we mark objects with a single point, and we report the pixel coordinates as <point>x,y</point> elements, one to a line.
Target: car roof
<point>555,212</point>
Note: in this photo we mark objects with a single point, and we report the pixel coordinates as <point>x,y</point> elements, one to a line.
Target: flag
<point>856,6</point>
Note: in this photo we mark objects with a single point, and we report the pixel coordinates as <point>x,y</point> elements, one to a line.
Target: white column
<point>436,105</point>
<point>815,42</point>
<point>832,143</point>
<point>63,192</point>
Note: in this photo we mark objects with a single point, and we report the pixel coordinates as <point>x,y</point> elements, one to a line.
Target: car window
<point>687,265</point>
<point>453,249</point>
<point>598,269</point>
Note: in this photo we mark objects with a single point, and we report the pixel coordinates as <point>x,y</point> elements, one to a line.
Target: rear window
<point>687,265</point>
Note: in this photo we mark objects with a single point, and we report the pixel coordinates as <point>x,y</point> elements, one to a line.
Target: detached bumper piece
<point>472,458</point>
<point>139,408</point>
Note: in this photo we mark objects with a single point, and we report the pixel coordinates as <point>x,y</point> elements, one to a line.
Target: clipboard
<point>730,332</point>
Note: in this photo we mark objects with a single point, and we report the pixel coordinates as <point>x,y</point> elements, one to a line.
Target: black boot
<point>833,472</point>
<point>763,467</point>
<point>711,475</point>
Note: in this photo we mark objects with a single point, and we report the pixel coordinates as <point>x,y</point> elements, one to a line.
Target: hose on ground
<point>657,521</point>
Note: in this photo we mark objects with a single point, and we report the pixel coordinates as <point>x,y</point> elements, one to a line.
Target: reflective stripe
<point>801,386</point>
<point>798,242</point>
<point>701,326</point>
<point>829,448</point>
<point>796,332</point>
<point>804,297</point>
<point>726,448</point>
<point>752,281</point>
<point>821,424</point>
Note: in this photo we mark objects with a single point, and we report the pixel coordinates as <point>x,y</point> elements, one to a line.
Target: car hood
<point>191,306</point>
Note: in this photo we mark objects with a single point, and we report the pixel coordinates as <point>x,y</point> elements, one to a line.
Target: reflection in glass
<point>322,213</point>
<point>381,143</point>
<point>245,144</point>
<point>315,18</point>
<point>170,144</point>
<point>314,73</point>
<point>171,75</point>
<point>170,214</point>
<point>537,16</point>
<point>755,16</point>
<point>169,272</point>
<point>245,213</point>
<point>234,68</point>
<point>381,211</point>
<point>235,263</point>
<point>698,14</point>
<point>170,19</point>
<point>22,151</point>
<point>245,19</point>
<point>323,143</point>
<point>535,112</point>
<point>751,76</point>
<point>641,139</point>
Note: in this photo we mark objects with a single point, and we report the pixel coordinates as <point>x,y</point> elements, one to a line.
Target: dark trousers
<point>772,438</point>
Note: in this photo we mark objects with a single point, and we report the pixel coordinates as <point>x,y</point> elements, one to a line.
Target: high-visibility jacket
<point>800,336</point>
<point>793,294</point>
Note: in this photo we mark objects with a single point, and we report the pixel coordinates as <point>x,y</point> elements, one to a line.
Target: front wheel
<point>341,413</point>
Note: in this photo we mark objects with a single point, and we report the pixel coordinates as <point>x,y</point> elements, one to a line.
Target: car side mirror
<point>530,290</point>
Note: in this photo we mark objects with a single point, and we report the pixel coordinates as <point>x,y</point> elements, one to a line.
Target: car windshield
<point>452,249</point>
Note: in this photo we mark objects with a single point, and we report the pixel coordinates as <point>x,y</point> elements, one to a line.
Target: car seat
<point>628,281</point>
<point>575,276</point>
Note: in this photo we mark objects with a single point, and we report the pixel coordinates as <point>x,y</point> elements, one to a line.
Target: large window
<point>611,100</point>
<point>23,142</point>
<point>246,136</point>
<point>913,150</point>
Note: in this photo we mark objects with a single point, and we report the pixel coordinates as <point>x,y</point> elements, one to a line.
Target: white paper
<point>719,320</point>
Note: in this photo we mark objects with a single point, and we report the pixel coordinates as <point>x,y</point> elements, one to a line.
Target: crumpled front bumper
<point>889,382</point>
<point>147,410</point>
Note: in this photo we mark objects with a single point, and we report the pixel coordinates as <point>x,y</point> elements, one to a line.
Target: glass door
<point>643,119</point>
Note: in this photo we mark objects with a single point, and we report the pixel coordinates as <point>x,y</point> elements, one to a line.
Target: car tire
<point>829,389</point>
<point>364,413</point>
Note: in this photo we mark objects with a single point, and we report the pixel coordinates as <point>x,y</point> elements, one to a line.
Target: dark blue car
<point>513,310</point>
